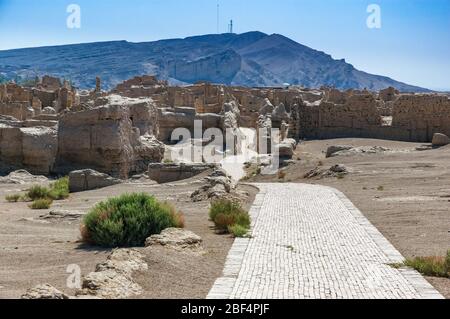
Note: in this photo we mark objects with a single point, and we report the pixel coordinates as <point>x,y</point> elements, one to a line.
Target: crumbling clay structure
<point>51,128</point>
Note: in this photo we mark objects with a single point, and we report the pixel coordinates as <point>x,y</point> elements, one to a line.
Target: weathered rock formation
<point>171,172</point>
<point>440,140</point>
<point>175,238</point>
<point>113,279</point>
<point>33,148</point>
<point>88,179</point>
<point>104,139</point>
<point>44,291</point>
<point>52,128</point>
<point>217,185</point>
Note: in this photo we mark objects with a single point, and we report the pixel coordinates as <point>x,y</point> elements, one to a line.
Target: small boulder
<point>109,284</point>
<point>88,179</point>
<point>334,171</point>
<point>339,168</point>
<point>440,140</point>
<point>286,148</point>
<point>113,279</point>
<point>44,292</point>
<point>22,177</point>
<point>125,261</point>
<point>49,111</point>
<point>62,215</point>
<point>217,185</point>
<point>175,238</point>
<point>337,148</point>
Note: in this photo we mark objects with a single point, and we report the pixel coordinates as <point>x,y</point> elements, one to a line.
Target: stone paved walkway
<point>311,242</point>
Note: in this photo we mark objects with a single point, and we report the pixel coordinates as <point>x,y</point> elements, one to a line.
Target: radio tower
<point>230,27</point>
<point>218,16</point>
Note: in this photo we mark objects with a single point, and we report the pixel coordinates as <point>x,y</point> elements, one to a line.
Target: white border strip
<point>223,287</point>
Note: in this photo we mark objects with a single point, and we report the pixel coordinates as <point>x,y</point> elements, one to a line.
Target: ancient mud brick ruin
<point>50,127</point>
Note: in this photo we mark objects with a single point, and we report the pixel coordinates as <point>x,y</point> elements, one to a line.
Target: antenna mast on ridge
<point>218,16</point>
<point>230,27</point>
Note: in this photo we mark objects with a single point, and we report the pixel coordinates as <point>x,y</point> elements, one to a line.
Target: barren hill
<point>248,59</point>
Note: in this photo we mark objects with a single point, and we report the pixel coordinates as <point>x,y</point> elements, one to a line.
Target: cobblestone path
<point>308,242</point>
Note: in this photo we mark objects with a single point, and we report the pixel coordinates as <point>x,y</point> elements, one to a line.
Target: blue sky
<point>413,44</point>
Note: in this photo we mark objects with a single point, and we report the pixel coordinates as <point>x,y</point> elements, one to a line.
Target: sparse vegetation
<point>13,198</point>
<point>128,220</point>
<point>59,189</point>
<point>38,192</point>
<point>380,188</point>
<point>435,266</point>
<point>42,203</point>
<point>238,231</point>
<point>226,214</point>
<point>431,266</point>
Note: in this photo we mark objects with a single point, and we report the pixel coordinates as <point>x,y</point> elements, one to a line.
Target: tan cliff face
<point>51,128</point>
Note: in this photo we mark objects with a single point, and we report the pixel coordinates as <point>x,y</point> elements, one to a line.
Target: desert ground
<point>405,193</point>
<point>36,251</point>
<point>402,191</point>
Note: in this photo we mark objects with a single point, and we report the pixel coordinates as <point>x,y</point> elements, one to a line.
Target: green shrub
<point>57,191</point>
<point>447,262</point>
<point>226,213</point>
<point>238,231</point>
<point>128,220</point>
<point>13,198</point>
<point>43,203</point>
<point>38,192</point>
<point>60,189</point>
<point>431,266</point>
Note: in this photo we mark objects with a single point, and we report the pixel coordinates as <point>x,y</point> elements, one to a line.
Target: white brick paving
<point>311,242</point>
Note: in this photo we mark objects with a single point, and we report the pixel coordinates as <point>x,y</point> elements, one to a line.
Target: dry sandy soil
<point>34,251</point>
<point>404,193</point>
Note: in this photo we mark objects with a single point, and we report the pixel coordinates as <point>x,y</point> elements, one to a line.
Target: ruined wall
<point>19,110</point>
<point>184,117</point>
<point>144,86</point>
<point>31,148</point>
<point>99,139</point>
<point>358,116</point>
<point>422,116</point>
<point>203,97</point>
<point>415,118</point>
<point>104,139</point>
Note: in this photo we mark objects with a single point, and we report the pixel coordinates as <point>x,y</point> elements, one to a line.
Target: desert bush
<point>42,203</point>
<point>59,189</point>
<point>13,198</point>
<point>227,213</point>
<point>238,231</point>
<point>431,266</point>
<point>38,192</point>
<point>128,220</point>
